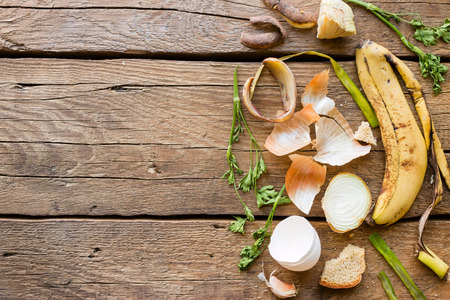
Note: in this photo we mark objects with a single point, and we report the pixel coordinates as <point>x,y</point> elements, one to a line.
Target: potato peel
<point>264,40</point>
<point>296,17</point>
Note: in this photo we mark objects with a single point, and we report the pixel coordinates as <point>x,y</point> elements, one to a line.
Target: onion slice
<point>288,86</point>
<point>303,181</point>
<point>293,134</point>
<point>346,202</point>
<point>316,94</point>
<point>279,288</point>
<point>334,143</point>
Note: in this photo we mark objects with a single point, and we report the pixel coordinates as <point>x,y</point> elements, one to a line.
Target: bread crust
<point>346,285</point>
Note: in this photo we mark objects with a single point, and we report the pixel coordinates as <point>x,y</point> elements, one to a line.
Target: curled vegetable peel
<point>267,39</point>
<point>288,87</point>
<point>334,137</point>
<point>296,17</point>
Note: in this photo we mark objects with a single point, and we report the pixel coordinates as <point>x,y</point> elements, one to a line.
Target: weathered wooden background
<point>114,123</point>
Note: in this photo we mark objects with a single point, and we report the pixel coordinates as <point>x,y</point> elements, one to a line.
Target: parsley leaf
<point>229,175</point>
<point>238,225</point>
<point>246,183</point>
<point>250,253</point>
<point>429,35</point>
<point>444,31</point>
<point>425,35</point>
<point>267,196</point>
<point>430,65</point>
<point>249,214</point>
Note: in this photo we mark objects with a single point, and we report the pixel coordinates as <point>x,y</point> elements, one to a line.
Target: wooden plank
<point>138,180</point>
<point>115,101</point>
<point>167,4</point>
<point>72,126</point>
<point>106,259</point>
<point>193,28</point>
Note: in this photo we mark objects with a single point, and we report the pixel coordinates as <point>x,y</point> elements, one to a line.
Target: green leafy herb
<point>429,35</point>
<point>236,129</point>
<point>267,196</point>
<point>429,64</point>
<point>238,225</point>
<point>257,165</point>
<point>250,253</point>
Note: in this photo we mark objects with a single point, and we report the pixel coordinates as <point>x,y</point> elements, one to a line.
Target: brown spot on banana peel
<point>264,40</point>
<point>416,92</point>
<point>296,17</point>
<point>392,207</point>
<point>386,127</point>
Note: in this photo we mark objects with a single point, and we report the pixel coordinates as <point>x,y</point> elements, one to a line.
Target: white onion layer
<point>334,143</point>
<point>346,202</point>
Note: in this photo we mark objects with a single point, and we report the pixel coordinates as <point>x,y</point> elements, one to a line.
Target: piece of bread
<point>346,270</point>
<point>364,134</point>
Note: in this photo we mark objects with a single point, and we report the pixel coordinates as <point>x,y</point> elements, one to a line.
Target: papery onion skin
<point>293,134</point>
<point>303,181</point>
<point>354,215</point>
<point>279,288</point>
<point>334,141</point>
<point>285,78</point>
<point>316,94</point>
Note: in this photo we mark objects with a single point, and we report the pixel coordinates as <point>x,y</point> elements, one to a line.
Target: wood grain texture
<point>125,137</point>
<point>194,259</point>
<point>183,28</point>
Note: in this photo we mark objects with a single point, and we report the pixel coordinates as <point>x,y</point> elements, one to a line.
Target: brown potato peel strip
<point>296,17</point>
<point>264,40</point>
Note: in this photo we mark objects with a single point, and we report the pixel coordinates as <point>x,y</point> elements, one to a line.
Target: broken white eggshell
<point>295,244</point>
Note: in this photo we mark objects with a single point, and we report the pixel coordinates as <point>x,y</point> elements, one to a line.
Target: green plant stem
<point>250,253</point>
<point>386,14</point>
<point>433,261</point>
<point>272,212</point>
<point>236,116</point>
<point>387,285</point>
<point>351,87</point>
<point>396,265</point>
<point>403,38</point>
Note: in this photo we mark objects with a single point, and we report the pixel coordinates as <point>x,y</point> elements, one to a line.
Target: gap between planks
<point>214,57</point>
<point>178,218</point>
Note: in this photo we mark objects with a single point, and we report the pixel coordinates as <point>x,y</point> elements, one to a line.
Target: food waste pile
<point>409,148</point>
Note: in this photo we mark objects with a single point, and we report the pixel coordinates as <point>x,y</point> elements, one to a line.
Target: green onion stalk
<point>396,265</point>
<point>387,286</point>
